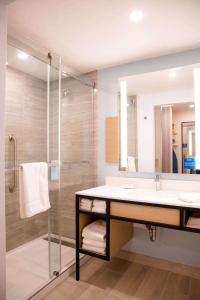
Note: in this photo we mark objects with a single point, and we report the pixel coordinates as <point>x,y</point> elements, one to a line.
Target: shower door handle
<point>12,187</point>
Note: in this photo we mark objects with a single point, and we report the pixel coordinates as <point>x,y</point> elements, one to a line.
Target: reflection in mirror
<point>160,121</point>
<point>188,146</point>
<point>175,138</point>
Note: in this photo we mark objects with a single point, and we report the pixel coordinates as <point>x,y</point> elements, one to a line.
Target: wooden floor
<point>127,278</point>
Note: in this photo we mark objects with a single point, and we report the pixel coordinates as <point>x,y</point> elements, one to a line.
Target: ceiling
<point>160,81</point>
<point>93,34</point>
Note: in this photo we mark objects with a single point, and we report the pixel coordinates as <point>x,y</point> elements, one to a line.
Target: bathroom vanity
<point>136,200</point>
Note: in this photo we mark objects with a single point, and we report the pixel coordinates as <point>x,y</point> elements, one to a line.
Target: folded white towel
<point>86,201</point>
<point>94,236</point>
<point>33,189</point>
<point>99,209</point>
<point>83,207</point>
<point>189,197</point>
<point>93,249</point>
<point>86,205</point>
<point>99,244</point>
<point>99,203</point>
<point>95,231</point>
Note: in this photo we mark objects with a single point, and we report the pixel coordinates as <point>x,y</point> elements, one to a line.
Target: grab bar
<point>12,187</point>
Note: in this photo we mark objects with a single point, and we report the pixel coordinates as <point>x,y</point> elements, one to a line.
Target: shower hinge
<point>49,57</point>
<point>56,273</point>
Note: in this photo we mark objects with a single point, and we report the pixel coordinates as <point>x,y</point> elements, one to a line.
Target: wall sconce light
<point>123,126</point>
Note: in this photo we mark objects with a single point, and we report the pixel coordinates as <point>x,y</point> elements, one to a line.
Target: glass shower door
<point>53,158</point>
<point>78,170</point>
<point>32,135</point>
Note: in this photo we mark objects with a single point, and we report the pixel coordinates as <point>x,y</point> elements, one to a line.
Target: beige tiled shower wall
<point>26,119</point>
<point>78,151</point>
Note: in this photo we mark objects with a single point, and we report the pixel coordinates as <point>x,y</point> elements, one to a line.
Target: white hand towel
<point>99,209</point>
<point>33,189</point>
<point>85,204</point>
<point>93,249</point>
<point>95,231</point>
<point>189,197</point>
<point>99,244</point>
<point>86,201</point>
<point>99,203</point>
<point>86,207</point>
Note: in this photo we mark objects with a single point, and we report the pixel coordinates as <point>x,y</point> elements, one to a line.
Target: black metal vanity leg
<point>77,266</point>
<point>77,240</point>
<point>108,229</point>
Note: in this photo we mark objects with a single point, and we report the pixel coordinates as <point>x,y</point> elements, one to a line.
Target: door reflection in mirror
<point>175,138</point>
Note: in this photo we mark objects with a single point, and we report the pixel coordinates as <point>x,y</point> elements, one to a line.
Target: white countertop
<point>163,197</point>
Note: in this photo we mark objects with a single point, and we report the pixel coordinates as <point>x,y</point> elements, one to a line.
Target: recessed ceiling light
<point>136,16</point>
<point>172,75</point>
<point>6,63</point>
<point>22,55</point>
<point>191,105</point>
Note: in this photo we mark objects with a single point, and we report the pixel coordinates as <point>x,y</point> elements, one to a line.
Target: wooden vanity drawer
<point>146,213</point>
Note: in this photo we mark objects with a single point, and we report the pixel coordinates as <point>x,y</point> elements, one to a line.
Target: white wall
<point>178,246</point>
<point>3,37</point>
<point>146,127</point>
<point>108,106</point>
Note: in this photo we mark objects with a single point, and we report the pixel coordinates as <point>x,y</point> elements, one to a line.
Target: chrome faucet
<point>157,181</point>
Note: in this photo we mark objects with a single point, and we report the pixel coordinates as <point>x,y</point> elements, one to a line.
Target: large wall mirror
<point>160,121</point>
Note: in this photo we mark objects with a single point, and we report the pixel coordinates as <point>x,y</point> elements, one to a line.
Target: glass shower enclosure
<point>49,118</point>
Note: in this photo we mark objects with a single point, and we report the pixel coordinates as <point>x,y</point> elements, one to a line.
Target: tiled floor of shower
<point>28,267</point>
